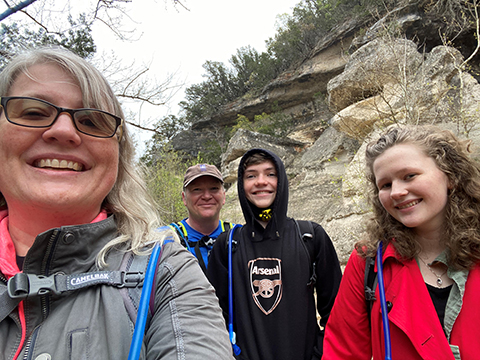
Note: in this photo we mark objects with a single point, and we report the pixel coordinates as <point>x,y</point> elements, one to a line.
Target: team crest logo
<point>266,283</point>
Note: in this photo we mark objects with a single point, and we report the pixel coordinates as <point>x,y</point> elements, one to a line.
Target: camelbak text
<point>83,279</point>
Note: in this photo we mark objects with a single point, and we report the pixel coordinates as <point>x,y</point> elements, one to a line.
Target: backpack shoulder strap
<point>7,304</point>
<point>370,284</point>
<point>199,255</point>
<point>226,225</point>
<point>181,231</point>
<point>131,296</point>
<point>307,235</point>
<point>22,285</point>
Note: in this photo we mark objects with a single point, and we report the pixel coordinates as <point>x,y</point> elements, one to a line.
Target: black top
<point>20,260</point>
<point>439,297</point>
<point>274,307</point>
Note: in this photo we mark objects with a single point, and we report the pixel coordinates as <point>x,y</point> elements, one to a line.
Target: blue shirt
<point>194,236</point>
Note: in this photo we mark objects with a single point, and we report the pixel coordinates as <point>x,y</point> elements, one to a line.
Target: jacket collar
<point>68,249</point>
<point>388,253</point>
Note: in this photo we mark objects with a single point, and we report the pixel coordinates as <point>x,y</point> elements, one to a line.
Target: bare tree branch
<point>141,127</point>
<point>13,9</point>
<point>133,83</point>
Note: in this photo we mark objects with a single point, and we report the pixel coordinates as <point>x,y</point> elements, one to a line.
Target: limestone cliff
<point>346,91</point>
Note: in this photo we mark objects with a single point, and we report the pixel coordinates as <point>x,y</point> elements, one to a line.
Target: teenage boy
<point>203,195</point>
<point>274,270</point>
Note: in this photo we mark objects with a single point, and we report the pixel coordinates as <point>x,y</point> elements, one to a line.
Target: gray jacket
<point>93,323</point>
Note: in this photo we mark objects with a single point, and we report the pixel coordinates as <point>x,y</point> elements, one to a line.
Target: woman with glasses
<point>425,195</point>
<point>74,212</point>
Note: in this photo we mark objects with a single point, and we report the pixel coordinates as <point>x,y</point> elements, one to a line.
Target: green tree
<point>207,97</point>
<point>275,124</point>
<point>165,183</point>
<point>15,38</point>
<point>164,130</point>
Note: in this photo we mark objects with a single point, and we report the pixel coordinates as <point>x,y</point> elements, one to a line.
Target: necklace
<point>439,277</point>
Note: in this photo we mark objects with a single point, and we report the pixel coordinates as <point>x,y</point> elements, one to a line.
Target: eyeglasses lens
<point>30,112</point>
<point>95,123</point>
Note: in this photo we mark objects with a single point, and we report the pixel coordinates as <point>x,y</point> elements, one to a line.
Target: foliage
<point>164,130</point>
<point>15,38</point>
<point>275,124</point>
<point>207,97</point>
<point>165,183</point>
<point>46,22</point>
<point>459,15</point>
<point>212,153</point>
<point>242,123</point>
<point>249,70</point>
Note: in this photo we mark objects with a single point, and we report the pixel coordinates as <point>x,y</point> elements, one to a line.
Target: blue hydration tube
<point>183,237</point>
<point>383,304</point>
<point>139,330</point>
<point>233,336</point>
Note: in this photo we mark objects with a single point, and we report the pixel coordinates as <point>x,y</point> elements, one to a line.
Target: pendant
<point>439,282</point>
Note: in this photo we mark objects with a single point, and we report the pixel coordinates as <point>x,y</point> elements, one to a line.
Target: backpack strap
<point>226,225</point>
<point>131,296</point>
<point>204,242</point>
<point>182,233</point>
<point>370,284</point>
<point>23,285</point>
<point>7,304</point>
<point>306,235</point>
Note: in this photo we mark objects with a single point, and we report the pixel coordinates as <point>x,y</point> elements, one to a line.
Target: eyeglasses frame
<point>60,110</point>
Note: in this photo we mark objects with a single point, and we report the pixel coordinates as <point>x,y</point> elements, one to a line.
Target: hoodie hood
<point>279,206</point>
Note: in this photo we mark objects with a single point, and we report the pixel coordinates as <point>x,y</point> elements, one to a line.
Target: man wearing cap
<point>203,195</point>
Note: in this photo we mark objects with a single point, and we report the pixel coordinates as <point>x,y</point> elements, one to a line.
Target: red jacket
<point>416,332</point>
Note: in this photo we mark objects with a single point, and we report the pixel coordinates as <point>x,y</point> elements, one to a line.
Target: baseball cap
<point>196,171</point>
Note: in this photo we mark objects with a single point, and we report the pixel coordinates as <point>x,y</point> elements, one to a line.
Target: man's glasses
<point>36,113</point>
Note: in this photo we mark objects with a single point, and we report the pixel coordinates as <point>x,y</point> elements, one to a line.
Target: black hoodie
<point>274,308</point>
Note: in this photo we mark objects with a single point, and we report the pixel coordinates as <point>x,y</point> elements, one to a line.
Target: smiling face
<point>55,169</point>
<point>412,188</point>
<point>204,198</point>
<point>260,184</point>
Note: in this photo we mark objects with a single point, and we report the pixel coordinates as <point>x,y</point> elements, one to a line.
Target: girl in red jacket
<point>425,194</point>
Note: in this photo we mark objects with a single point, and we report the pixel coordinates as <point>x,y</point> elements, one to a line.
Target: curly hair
<point>462,219</point>
<point>129,200</point>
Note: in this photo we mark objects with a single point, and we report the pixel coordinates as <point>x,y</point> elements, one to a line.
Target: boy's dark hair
<point>257,158</point>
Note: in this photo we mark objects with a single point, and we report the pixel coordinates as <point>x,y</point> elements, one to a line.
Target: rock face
<point>384,81</point>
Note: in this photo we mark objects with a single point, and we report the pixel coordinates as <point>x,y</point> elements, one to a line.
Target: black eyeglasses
<point>36,113</point>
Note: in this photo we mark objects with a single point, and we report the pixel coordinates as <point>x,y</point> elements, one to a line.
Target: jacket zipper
<point>44,299</point>
<point>29,343</point>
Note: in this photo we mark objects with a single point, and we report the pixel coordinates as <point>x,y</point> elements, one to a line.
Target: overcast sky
<point>181,41</point>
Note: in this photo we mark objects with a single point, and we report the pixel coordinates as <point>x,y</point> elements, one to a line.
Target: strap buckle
<point>131,279</point>
<point>209,242</point>
<point>23,285</point>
